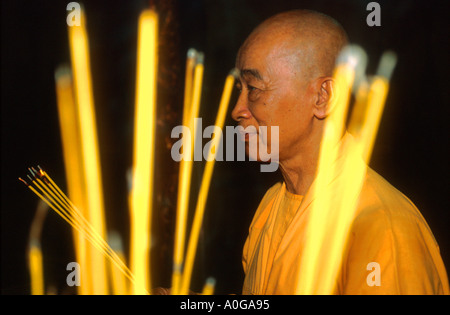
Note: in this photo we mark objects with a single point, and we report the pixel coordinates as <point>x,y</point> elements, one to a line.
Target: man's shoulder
<point>271,193</point>
<point>385,206</point>
<point>377,191</point>
<point>390,230</point>
<point>267,200</point>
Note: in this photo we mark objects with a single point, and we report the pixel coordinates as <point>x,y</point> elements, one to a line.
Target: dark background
<point>410,152</point>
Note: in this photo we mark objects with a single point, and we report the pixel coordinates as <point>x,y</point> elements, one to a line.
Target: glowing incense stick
<point>35,260</point>
<point>185,178</point>
<point>36,270</point>
<point>118,279</point>
<point>208,288</point>
<point>70,136</point>
<point>206,180</point>
<point>375,105</point>
<point>370,101</point>
<point>79,51</point>
<point>359,109</point>
<point>309,281</point>
<point>143,155</point>
<point>190,64</point>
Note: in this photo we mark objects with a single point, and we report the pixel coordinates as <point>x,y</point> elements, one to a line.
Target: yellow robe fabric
<point>387,229</point>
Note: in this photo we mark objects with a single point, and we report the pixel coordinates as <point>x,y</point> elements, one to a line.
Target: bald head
<point>308,40</point>
<point>286,67</point>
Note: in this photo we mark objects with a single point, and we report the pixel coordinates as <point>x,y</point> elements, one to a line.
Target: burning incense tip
<point>192,53</point>
<point>23,181</point>
<point>63,75</point>
<point>356,58</point>
<point>387,64</point>
<point>234,72</point>
<point>211,281</point>
<point>30,169</point>
<point>200,58</point>
<point>352,55</point>
<point>208,289</point>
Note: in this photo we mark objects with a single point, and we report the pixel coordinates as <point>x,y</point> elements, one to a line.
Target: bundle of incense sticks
<point>333,212</point>
<point>79,136</point>
<point>183,263</point>
<point>40,183</point>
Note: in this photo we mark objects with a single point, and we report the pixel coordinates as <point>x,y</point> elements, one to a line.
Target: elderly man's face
<point>274,92</point>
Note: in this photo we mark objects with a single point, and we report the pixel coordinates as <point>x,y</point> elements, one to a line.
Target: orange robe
<point>387,229</point>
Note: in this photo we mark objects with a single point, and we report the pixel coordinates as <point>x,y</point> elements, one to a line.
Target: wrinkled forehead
<point>264,48</point>
<point>270,55</point>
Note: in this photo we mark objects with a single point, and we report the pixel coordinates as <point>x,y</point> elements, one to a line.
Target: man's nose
<point>241,110</point>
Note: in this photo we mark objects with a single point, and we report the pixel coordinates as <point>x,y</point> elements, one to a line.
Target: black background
<point>410,152</point>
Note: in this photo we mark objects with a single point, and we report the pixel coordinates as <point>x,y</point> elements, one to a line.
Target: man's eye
<point>253,93</point>
<point>251,88</point>
<point>238,87</point>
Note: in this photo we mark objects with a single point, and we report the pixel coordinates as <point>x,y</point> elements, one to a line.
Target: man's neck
<point>299,171</point>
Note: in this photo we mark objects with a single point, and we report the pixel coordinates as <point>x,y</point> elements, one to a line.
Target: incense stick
<point>118,280</point>
<point>36,269</point>
<point>73,161</point>
<point>35,259</point>
<point>80,60</point>
<point>188,83</point>
<point>141,196</point>
<point>377,94</point>
<point>208,288</point>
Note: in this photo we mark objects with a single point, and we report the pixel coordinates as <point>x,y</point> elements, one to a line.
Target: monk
<point>286,67</point>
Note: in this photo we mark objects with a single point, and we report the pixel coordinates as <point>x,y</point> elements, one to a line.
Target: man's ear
<point>324,93</point>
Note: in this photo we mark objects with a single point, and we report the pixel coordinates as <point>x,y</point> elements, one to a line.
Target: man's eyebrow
<point>251,72</point>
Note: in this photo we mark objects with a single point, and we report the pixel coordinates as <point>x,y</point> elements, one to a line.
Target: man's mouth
<point>246,133</point>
